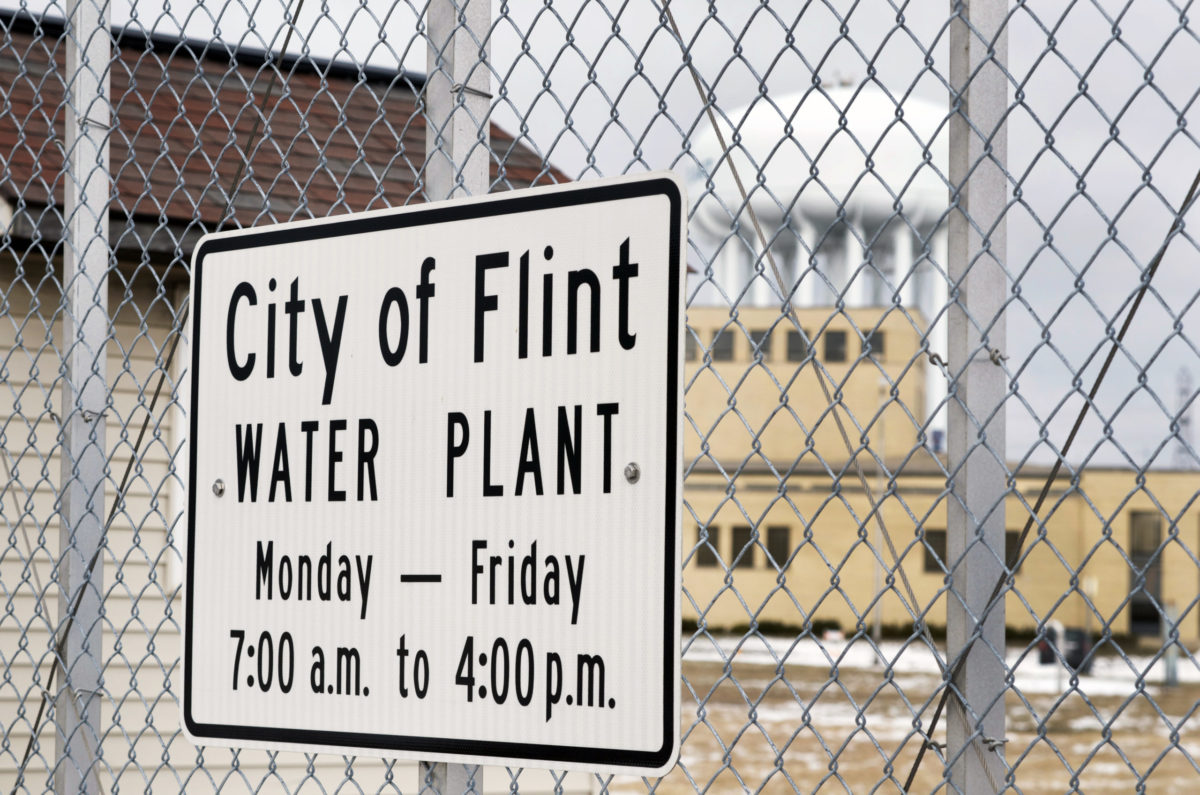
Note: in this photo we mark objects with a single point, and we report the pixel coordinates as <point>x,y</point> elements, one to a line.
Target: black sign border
<point>527,201</point>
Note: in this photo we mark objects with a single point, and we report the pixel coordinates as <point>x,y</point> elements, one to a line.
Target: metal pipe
<point>976,424</point>
<point>85,397</point>
<point>457,153</point>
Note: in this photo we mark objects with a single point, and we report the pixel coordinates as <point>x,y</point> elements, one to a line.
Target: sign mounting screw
<point>219,487</point>
<point>633,472</point>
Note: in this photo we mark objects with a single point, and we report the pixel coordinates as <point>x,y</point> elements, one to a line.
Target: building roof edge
<point>132,36</point>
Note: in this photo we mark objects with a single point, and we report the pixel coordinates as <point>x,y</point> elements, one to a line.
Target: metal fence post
<point>979,285</point>
<point>85,399</point>
<point>444,779</point>
<point>457,99</point>
<point>457,153</point>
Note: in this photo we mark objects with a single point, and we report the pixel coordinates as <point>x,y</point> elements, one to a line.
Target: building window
<point>797,347</point>
<point>722,347</point>
<point>743,549</point>
<point>935,551</point>
<point>779,545</point>
<point>873,344</point>
<point>1145,573</point>
<point>691,346</point>
<point>760,342</point>
<point>706,548</point>
<point>835,346</point>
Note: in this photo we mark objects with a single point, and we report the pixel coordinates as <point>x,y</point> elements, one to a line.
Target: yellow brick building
<point>779,528</point>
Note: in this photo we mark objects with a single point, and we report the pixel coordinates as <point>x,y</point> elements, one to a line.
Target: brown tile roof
<point>333,137</point>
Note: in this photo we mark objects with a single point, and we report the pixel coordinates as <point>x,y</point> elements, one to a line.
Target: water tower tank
<point>851,176</point>
<point>849,187</point>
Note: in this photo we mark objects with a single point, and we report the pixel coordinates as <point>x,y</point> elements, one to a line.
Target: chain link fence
<point>940,530</point>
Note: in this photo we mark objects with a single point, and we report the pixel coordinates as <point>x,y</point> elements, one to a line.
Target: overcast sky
<point>1118,157</point>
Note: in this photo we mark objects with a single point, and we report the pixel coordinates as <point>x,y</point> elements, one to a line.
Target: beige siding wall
<point>143,748</point>
<point>795,476</point>
<point>831,574</point>
<point>782,401</point>
<point>140,630</point>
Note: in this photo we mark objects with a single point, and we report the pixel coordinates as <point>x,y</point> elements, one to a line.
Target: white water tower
<point>848,185</point>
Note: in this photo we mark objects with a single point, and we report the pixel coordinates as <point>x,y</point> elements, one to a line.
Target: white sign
<point>435,481</point>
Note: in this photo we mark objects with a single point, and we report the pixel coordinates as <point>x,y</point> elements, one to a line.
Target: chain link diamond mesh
<point>837,163</point>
